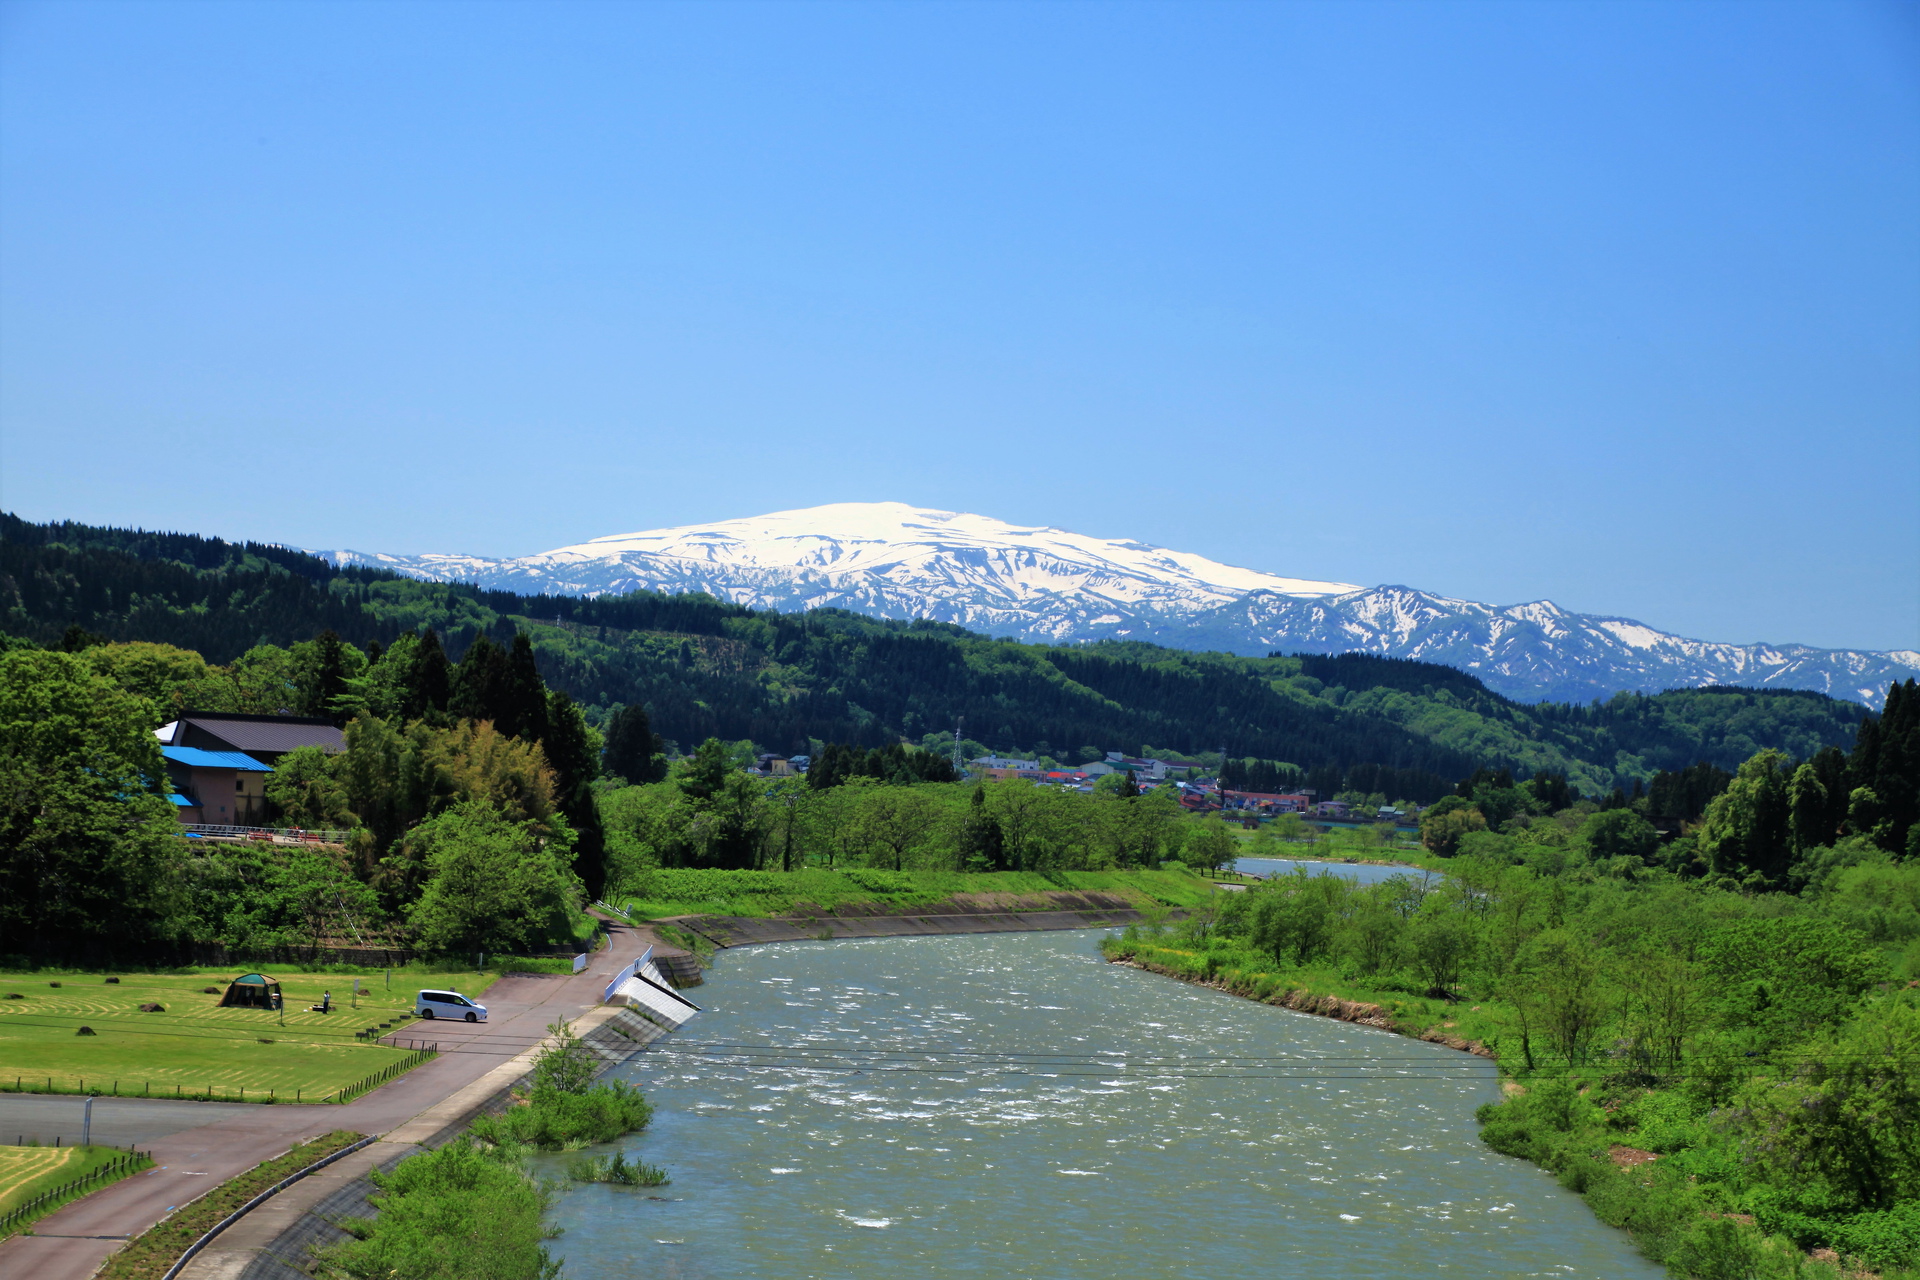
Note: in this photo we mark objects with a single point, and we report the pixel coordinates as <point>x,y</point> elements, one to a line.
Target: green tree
<point>523,712</point>
<point>634,751</point>
<point>575,760</point>
<point>704,774</point>
<point>481,686</point>
<point>1444,823</point>
<point>327,666</point>
<point>895,823</point>
<point>429,679</point>
<point>172,679</point>
<point>981,844</point>
<point>305,787</point>
<point>1566,993</point>
<point>1747,832</point>
<point>566,1063</point>
<point>1784,979</point>
<point>1619,833</point>
<point>1441,944</point>
<point>493,883</point>
<point>1850,1116</point>
<point>1212,846</point>
<point>89,847</point>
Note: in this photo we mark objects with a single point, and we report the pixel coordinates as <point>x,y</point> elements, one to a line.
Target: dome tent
<point>252,991</point>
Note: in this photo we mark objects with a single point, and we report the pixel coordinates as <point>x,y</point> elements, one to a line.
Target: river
<point>1364,872</point>
<point>1009,1105</point>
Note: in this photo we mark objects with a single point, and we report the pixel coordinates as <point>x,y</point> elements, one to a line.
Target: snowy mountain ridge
<point>1041,584</point>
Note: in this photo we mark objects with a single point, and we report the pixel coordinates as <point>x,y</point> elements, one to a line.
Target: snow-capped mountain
<point>1533,652</point>
<point>897,561</point>
<point>887,559</point>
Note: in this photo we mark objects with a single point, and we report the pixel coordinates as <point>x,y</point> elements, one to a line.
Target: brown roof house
<point>265,738</point>
<point>218,761</point>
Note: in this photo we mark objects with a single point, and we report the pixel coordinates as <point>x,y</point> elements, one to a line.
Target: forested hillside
<point>787,682</point>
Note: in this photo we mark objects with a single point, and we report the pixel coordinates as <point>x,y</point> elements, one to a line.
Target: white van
<point>448,1004</point>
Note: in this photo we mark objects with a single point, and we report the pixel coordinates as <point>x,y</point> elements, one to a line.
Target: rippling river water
<point>992,1111</point>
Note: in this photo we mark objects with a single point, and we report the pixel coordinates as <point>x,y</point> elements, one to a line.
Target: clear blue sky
<point>1616,304</point>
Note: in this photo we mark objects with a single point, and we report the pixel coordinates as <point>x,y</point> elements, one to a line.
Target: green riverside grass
<point>616,1170</point>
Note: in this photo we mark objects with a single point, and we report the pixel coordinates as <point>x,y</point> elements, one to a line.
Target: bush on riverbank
<point>467,1211</point>
<point>563,1107</point>
<point>550,1119</point>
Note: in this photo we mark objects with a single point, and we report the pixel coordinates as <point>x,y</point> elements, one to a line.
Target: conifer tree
<point>327,678</point>
<point>569,752</point>
<point>524,710</point>
<point>634,751</point>
<point>479,689</point>
<point>429,678</point>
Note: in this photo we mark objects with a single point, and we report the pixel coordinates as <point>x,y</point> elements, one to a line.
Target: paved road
<point>117,1122</point>
<point>71,1244</point>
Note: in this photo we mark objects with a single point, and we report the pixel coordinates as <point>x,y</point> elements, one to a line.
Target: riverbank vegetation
<point>477,1190</point>
<point>1716,1039</point>
<point>466,1211</point>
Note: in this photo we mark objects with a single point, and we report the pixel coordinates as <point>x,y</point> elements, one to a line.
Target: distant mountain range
<point>892,560</point>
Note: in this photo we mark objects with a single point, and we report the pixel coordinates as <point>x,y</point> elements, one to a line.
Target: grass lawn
<point>676,892</point>
<point>27,1171</point>
<point>195,1048</point>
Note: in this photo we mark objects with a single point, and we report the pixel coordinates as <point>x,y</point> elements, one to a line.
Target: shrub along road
<point>197,1156</point>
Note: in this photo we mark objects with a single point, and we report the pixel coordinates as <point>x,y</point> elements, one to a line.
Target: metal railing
<point>626,971</point>
<point>298,835</point>
<point>47,1201</point>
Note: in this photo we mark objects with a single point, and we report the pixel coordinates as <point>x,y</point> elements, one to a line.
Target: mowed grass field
<point>25,1172</point>
<point>195,1048</point>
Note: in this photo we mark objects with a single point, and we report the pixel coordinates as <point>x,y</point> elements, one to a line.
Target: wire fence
<point>413,1059</point>
<point>76,1086</point>
<point>47,1201</point>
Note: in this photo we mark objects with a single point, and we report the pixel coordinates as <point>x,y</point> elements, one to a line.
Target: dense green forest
<point>1716,1040</point>
<point>793,682</point>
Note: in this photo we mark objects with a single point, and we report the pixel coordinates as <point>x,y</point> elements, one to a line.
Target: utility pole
<point>958,721</point>
<point>86,1123</point>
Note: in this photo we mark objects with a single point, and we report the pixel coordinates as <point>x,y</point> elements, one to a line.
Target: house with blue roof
<point>225,788</point>
<point>219,761</point>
